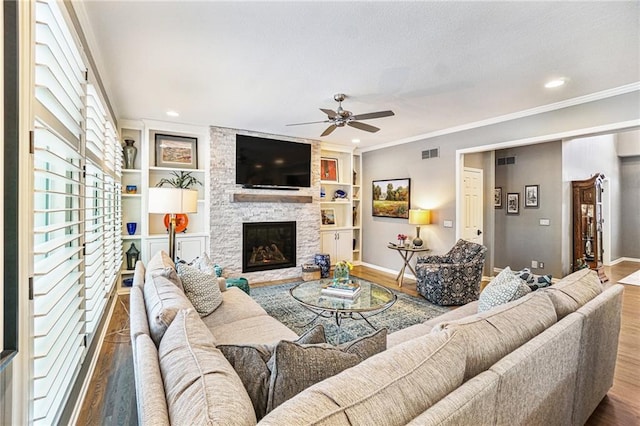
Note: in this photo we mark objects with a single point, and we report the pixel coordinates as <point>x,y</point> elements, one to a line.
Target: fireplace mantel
<point>271,198</point>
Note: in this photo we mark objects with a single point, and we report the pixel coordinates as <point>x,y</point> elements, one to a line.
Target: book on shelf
<point>339,292</point>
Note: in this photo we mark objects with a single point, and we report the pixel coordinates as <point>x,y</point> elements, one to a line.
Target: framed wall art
<point>328,217</point>
<point>391,198</point>
<point>513,203</point>
<point>329,169</point>
<point>497,197</point>
<point>531,196</point>
<point>176,151</point>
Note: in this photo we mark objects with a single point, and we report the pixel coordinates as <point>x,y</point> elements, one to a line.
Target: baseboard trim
<point>387,270</point>
<point>623,259</point>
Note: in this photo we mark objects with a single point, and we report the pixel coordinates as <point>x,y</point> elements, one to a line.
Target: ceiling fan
<point>340,117</point>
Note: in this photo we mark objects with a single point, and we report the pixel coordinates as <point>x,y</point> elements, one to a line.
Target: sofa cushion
<point>236,305</point>
<point>152,409</point>
<point>161,265</point>
<point>390,388</point>
<point>471,404</point>
<point>250,362</point>
<point>262,329</point>
<point>573,291</point>
<point>542,374</point>
<point>200,385</point>
<point>201,289</point>
<point>492,334</point>
<point>163,300</point>
<point>295,367</point>
<point>505,287</point>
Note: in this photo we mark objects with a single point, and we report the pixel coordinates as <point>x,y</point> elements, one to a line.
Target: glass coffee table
<point>372,300</point>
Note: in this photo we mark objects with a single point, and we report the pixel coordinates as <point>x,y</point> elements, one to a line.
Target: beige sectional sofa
<point>546,358</point>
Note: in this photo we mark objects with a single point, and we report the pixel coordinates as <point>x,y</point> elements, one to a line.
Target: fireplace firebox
<point>268,245</point>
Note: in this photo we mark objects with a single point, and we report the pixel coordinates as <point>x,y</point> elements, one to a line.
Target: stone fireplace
<point>268,245</point>
<point>228,214</point>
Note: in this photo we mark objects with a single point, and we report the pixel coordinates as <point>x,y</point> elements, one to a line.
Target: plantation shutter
<point>113,209</point>
<point>58,284</point>
<point>95,273</point>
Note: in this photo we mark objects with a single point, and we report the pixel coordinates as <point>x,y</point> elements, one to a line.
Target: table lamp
<point>419,217</point>
<point>172,201</point>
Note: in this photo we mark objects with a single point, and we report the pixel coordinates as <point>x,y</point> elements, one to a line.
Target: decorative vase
<point>129,152</point>
<point>133,254</point>
<point>341,273</point>
<point>131,227</point>
<point>324,262</point>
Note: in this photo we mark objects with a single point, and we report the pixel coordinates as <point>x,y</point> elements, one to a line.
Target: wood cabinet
<point>587,224</point>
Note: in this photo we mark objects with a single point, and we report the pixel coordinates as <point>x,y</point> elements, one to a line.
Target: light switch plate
<point>545,222</point>
<point>447,224</point>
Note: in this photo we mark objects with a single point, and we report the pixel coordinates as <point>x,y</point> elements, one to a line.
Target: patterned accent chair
<point>454,278</point>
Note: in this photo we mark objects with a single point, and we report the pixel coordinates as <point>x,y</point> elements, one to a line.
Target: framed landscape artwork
<point>329,169</point>
<point>531,195</point>
<point>513,203</point>
<point>497,197</point>
<point>391,198</point>
<point>176,151</point>
<point>328,217</point>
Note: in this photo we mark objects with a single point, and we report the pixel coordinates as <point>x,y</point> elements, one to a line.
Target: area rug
<point>408,310</point>
<point>633,279</point>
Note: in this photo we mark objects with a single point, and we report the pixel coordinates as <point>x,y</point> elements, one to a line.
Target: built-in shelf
<point>271,198</point>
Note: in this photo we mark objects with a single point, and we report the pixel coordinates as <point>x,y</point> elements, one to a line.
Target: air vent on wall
<point>431,153</point>
<point>503,161</point>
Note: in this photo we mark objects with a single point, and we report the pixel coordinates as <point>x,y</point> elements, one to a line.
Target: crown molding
<point>621,90</point>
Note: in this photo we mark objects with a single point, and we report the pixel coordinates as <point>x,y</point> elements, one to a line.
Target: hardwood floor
<point>111,395</point>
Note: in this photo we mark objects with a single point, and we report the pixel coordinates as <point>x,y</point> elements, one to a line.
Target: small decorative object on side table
<point>406,253</point>
<point>401,240</point>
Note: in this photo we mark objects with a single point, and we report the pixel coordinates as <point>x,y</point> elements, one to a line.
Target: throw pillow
<point>161,265</point>
<point>200,385</point>
<point>502,289</point>
<point>205,264</point>
<point>533,281</point>
<point>295,367</point>
<point>250,363</point>
<point>201,289</point>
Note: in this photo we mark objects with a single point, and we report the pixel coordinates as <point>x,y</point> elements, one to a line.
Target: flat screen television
<point>272,163</point>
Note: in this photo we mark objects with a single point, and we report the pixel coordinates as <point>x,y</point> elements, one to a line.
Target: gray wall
<point>519,239</point>
<point>433,180</point>
<point>630,206</point>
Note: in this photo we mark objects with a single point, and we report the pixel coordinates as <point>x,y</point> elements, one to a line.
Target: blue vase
<point>131,227</point>
<point>324,262</point>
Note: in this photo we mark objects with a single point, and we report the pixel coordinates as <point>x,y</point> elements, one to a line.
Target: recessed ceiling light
<point>173,114</point>
<point>355,140</point>
<point>555,83</point>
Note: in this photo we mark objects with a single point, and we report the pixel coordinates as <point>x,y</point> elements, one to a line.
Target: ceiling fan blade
<point>330,113</point>
<point>363,126</point>
<point>371,115</point>
<point>328,130</point>
<point>309,122</point>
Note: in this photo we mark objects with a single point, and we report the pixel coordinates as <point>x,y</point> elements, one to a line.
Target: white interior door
<point>472,219</point>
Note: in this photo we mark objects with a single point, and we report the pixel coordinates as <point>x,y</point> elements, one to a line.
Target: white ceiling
<point>261,65</point>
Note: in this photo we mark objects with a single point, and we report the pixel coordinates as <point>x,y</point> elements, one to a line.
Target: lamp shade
<point>173,200</point>
<point>419,217</point>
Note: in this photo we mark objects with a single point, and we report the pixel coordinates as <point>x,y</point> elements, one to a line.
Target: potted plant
<point>181,179</point>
